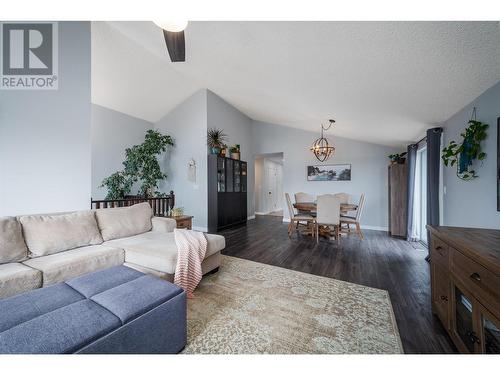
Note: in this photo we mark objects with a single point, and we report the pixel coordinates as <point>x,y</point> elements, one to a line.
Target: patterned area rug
<point>250,307</point>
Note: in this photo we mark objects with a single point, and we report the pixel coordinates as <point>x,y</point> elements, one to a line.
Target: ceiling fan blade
<point>176,45</point>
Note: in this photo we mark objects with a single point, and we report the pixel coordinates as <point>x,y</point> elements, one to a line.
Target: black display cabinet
<point>227,192</point>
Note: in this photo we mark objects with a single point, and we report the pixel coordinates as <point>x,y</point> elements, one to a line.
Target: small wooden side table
<point>183,221</point>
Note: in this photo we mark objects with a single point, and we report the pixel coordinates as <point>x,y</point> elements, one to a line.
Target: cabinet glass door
<point>244,177</point>
<point>491,333</point>
<point>229,174</point>
<point>464,320</point>
<point>221,175</point>
<point>237,176</point>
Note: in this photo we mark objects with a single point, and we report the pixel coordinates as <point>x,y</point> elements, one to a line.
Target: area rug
<point>250,307</point>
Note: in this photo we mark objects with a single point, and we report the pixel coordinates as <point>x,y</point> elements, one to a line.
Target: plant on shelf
<point>235,152</point>
<point>215,140</point>
<point>398,158</point>
<point>463,154</point>
<point>140,165</point>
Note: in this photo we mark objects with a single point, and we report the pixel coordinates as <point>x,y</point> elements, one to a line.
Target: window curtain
<point>411,160</point>
<point>433,166</point>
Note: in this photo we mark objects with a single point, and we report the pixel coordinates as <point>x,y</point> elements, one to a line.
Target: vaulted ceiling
<point>383,82</point>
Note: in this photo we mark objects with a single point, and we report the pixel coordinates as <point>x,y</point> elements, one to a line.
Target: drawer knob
<point>444,298</point>
<point>475,276</point>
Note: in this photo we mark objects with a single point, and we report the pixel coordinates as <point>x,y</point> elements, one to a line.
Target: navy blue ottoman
<point>116,310</point>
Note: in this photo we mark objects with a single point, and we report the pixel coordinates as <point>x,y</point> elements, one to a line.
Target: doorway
<point>269,184</point>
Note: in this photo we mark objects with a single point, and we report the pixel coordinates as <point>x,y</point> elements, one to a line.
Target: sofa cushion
<point>64,330</point>
<point>158,251</point>
<point>97,282</point>
<point>50,234</point>
<point>16,278</point>
<point>131,299</point>
<point>12,246</point>
<point>26,306</point>
<point>124,221</point>
<point>65,265</point>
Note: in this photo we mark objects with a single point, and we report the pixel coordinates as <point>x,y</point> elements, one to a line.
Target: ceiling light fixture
<point>321,148</point>
<point>174,26</point>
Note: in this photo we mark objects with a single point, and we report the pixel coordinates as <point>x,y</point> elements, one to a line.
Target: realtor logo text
<point>29,56</point>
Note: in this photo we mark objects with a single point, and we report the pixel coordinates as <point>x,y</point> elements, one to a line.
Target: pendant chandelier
<point>320,148</point>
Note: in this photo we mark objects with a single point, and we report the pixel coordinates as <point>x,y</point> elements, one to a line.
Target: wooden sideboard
<point>465,286</point>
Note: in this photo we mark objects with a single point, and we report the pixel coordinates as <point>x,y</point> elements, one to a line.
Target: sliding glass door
<point>419,232</point>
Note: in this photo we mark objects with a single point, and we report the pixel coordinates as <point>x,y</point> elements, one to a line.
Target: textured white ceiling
<point>383,82</point>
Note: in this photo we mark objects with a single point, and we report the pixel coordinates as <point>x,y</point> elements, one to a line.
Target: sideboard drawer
<point>476,278</point>
<point>439,252</point>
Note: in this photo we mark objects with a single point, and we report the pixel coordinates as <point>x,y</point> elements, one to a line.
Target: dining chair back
<point>361,205</point>
<point>303,197</point>
<point>342,197</point>
<point>328,210</point>
<point>291,211</point>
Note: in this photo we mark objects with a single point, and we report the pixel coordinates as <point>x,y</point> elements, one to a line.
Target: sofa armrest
<point>163,224</point>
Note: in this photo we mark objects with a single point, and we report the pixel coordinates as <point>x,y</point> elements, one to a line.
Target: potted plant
<point>140,165</point>
<point>215,140</point>
<point>398,158</point>
<point>235,152</point>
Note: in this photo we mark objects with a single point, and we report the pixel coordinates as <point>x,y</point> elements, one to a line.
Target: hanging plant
<point>462,155</point>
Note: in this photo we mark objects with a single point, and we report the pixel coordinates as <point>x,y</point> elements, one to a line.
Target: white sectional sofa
<point>40,250</point>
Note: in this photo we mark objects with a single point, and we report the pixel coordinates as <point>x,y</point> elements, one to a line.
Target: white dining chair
<point>356,220</point>
<point>328,214</point>
<point>342,197</point>
<point>301,198</point>
<point>296,219</point>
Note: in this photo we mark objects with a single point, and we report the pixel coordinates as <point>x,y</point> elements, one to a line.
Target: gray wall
<point>238,128</point>
<point>473,203</point>
<point>111,133</point>
<point>187,124</point>
<point>369,167</point>
<point>45,135</point>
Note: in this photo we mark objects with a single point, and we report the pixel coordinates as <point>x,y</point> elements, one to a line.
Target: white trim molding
<point>251,217</point>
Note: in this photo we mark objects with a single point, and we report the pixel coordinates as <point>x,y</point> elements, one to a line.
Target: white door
<point>273,177</point>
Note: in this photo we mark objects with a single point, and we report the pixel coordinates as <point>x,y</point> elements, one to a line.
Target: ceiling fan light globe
<point>174,26</point>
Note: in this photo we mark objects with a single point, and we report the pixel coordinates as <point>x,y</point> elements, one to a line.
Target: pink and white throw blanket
<point>191,249</point>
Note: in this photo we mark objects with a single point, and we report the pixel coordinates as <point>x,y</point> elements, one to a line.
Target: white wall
<point>238,128</point>
<point>474,203</point>
<point>187,124</point>
<point>111,133</point>
<point>369,167</point>
<point>45,147</point>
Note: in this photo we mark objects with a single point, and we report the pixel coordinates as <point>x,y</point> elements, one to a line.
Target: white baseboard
<point>261,213</point>
<point>371,227</point>
<point>251,217</point>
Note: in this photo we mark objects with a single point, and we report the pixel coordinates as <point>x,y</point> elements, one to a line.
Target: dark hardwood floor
<point>379,261</point>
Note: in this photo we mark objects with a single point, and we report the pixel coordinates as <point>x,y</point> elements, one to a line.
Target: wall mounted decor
<point>333,172</point>
<point>462,155</point>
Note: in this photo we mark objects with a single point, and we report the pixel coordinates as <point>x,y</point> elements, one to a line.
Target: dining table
<point>311,207</point>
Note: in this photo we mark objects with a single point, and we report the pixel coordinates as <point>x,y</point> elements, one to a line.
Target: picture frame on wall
<point>329,172</point>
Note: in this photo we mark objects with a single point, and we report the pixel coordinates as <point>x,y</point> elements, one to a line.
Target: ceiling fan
<point>173,32</point>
